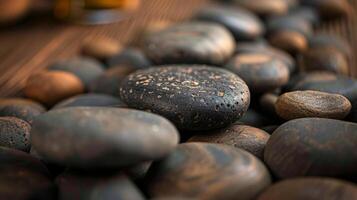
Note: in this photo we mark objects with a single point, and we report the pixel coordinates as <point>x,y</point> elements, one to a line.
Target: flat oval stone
<point>24,109</point>
<point>260,71</point>
<point>242,24</point>
<point>325,59</point>
<point>301,104</point>
<point>323,40</point>
<point>330,8</point>
<point>86,69</point>
<point>23,176</point>
<point>76,186</point>
<point>286,58</point>
<point>208,171</point>
<point>101,48</point>
<point>15,133</point>
<point>248,138</point>
<point>265,8</point>
<point>90,100</point>
<point>192,97</point>
<point>341,85</point>
<point>50,87</point>
<point>95,137</point>
<point>311,189</point>
<point>190,43</point>
<point>108,82</point>
<point>313,147</point>
<point>132,57</point>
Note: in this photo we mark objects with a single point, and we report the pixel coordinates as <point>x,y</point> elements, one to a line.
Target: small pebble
<point>50,87</point>
<point>301,104</point>
<point>24,109</point>
<point>190,43</point>
<point>101,48</point>
<point>265,8</point>
<point>245,137</point>
<point>131,57</point>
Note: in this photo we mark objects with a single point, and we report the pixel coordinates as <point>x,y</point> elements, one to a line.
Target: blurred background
<point>34,33</point>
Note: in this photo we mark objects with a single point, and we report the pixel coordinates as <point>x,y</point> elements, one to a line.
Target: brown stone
<point>50,87</point>
<point>248,138</point>
<point>101,48</point>
<point>300,104</point>
<point>208,171</point>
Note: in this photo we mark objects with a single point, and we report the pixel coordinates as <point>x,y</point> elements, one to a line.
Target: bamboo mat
<point>31,47</point>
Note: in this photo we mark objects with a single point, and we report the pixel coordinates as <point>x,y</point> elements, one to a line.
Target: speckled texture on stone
<point>190,43</point>
<point>99,137</point>
<point>15,133</point>
<point>192,97</point>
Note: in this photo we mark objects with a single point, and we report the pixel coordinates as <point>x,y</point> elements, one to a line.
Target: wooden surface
<point>33,45</point>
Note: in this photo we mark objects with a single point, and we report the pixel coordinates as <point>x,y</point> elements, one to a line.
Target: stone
<point>208,171</point>
<point>311,189</point>
<point>254,118</point>
<point>90,100</point>
<point>242,24</point>
<point>109,82</point>
<point>325,59</point>
<point>50,87</point>
<point>131,57</point>
<point>190,43</point>
<point>261,72</point>
<point>15,133</point>
<point>245,137</point>
<point>21,108</point>
<point>330,9</point>
<point>193,97</point>
<point>264,8</point>
<point>323,40</point>
<point>313,147</point>
<point>86,69</point>
<point>79,186</point>
<point>101,48</point>
<point>99,137</point>
<point>301,104</point>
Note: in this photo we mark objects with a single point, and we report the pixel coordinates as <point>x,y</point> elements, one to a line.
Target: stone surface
<point>86,69</point>
<point>129,57</point>
<point>24,109</point>
<point>98,137</point>
<point>260,71</point>
<point>192,97</point>
<point>323,40</point>
<point>311,189</point>
<point>50,87</point>
<point>245,137</point>
<point>75,186</point>
<point>300,104</point>
<point>330,8</point>
<point>109,81</point>
<point>101,48</point>
<point>313,147</point>
<point>15,133</point>
<point>242,24</point>
<point>325,59</point>
<point>90,100</point>
<point>264,8</point>
<point>208,171</point>
<point>190,43</point>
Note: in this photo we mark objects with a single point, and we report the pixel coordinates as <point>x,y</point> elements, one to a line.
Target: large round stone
<point>192,97</point>
<point>96,137</point>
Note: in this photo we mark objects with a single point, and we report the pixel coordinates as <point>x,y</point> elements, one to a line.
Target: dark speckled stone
<point>192,97</point>
<point>75,186</point>
<point>313,147</point>
<point>208,171</point>
<point>243,24</point>
<point>90,100</point>
<point>99,137</point>
<point>15,133</point>
<point>190,43</point>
